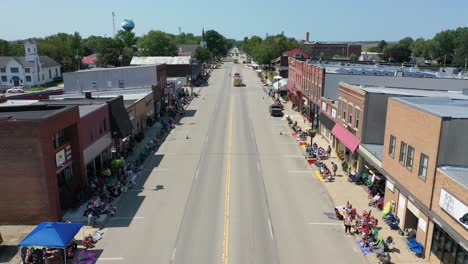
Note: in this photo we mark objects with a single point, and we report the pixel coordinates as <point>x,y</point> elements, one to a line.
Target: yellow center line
<point>225,252</point>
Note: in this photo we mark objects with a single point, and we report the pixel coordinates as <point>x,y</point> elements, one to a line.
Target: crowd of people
<point>365,226</point>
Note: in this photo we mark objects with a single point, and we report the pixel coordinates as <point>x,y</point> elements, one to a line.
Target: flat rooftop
<point>31,112</point>
<point>160,60</point>
<point>459,174</point>
<point>384,70</point>
<point>12,102</point>
<point>87,109</point>
<point>413,92</point>
<point>128,94</point>
<point>375,149</point>
<point>441,106</point>
<point>114,68</point>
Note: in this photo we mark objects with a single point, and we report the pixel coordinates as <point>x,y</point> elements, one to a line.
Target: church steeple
<point>30,50</point>
<point>203,39</point>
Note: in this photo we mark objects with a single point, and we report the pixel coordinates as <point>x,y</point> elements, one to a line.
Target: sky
<point>326,20</point>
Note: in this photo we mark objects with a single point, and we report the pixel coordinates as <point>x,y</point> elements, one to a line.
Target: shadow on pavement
<point>7,253</point>
<point>190,113</point>
<point>133,199</point>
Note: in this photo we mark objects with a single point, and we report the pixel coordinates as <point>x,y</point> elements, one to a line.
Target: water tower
<point>128,24</point>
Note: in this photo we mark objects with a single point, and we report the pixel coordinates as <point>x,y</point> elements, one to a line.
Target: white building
<point>30,70</point>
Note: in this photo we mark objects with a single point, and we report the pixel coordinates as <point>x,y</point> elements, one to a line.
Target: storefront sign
<point>452,206</point>
<point>333,113</point>
<point>390,186</point>
<point>422,224</point>
<point>60,158</point>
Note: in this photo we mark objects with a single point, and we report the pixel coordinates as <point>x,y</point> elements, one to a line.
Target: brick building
<point>425,152</point>
<point>317,50</point>
<point>309,81</point>
<point>41,162</point>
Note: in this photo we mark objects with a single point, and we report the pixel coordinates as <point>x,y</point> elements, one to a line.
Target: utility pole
<point>113,24</point>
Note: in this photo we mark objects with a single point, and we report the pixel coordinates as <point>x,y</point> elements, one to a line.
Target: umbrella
<point>258,70</point>
<point>278,77</point>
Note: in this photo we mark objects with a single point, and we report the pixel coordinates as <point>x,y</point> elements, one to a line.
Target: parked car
<point>18,89</point>
<point>276,110</point>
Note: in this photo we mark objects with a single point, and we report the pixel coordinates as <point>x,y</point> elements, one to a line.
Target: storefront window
<point>403,153</point>
<point>65,177</point>
<point>446,249</point>
<point>61,137</point>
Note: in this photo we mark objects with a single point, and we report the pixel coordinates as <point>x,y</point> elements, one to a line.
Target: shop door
<point>401,210</point>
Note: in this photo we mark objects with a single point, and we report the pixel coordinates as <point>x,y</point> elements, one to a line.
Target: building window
<point>2,70</point>
<point>4,79</point>
<point>410,158</point>
<point>14,70</point>
<point>28,78</point>
<point>56,72</point>
<point>29,50</point>
<point>344,110</point>
<point>42,76</point>
<point>403,148</point>
<point>423,163</point>
<point>94,84</point>
<point>447,249</point>
<point>27,70</point>
<point>121,84</point>
<point>61,137</point>
<point>50,74</point>
<point>350,120</point>
<point>356,123</point>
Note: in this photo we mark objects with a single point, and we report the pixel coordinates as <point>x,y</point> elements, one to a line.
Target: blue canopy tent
<point>51,235</point>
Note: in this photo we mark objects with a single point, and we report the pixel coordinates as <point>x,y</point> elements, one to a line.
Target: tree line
<point>68,49</point>
<point>449,47</point>
<point>263,51</point>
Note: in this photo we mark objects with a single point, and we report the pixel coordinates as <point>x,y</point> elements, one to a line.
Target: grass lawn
<point>35,89</point>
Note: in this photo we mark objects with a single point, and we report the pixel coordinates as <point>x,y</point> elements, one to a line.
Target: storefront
<point>446,249</point>
<point>65,180</point>
<point>326,125</point>
<point>346,146</point>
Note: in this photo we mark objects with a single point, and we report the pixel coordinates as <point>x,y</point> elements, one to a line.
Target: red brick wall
<point>28,175</point>
<point>356,98</point>
<point>421,130</point>
<point>94,121</point>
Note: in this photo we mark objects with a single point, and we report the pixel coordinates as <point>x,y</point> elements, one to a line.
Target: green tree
<point>406,42</point>
<point>442,46</point>
<point>420,48</point>
<point>110,52</point>
<point>157,43</point>
<point>397,53</point>
<point>4,48</point>
<point>461,51</point>
<point>353,57</point>
<point>127,37</point>
<point>186,38</point>
<point>216,43</point>
<point>63,48</point>
<point>381,46</point>
<point>202,54</point>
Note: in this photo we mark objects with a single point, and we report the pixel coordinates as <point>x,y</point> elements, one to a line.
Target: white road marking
<point>271,228</point>
<point>173,254</point>
<point>258,165</point>
<point>196,174</point>
<point>125,218</point>
<point>206,139</point>
<point>253,134</point>
<point>110,259</point>
<point>324,223</point>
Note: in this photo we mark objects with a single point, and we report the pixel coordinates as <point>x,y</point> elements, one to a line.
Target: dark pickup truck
<point>276,110</point>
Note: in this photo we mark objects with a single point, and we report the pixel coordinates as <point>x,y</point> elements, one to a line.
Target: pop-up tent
<point>52,235</point>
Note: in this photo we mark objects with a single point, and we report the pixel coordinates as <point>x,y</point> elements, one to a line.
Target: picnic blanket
<point>84,257</point>
<point>365,250</point>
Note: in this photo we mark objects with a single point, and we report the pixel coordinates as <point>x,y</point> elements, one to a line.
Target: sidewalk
<point>76,215</point>
<point>341,191</point>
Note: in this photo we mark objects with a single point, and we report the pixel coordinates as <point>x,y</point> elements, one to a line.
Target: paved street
<point>235,191</point>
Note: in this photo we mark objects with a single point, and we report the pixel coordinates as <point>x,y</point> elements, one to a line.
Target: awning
<point>326,121</point>
<point>119,117</point>
<point>345,137</point>
<point>51,234</point>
